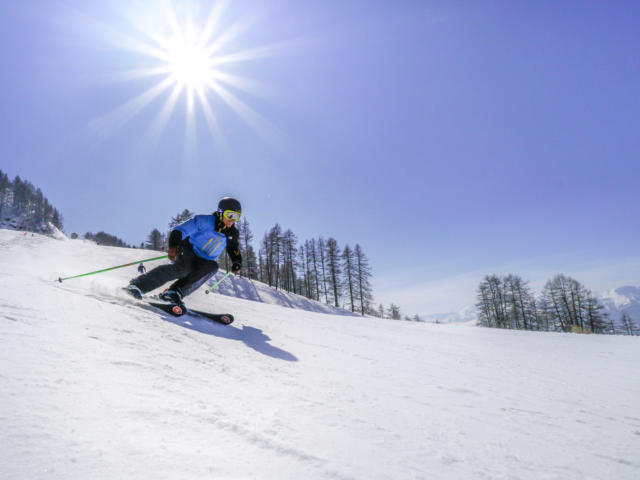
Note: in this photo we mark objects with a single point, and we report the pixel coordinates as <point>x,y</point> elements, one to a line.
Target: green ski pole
<point>217,283</point>
<point>60,279</point>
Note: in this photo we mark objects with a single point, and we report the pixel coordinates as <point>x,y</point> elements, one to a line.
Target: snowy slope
<point>94,386</point>
<point>240,287</point>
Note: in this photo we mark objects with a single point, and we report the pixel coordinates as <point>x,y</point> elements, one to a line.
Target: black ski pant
<point>190,270</point>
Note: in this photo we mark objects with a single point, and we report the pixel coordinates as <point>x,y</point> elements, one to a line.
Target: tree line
<point>103,238</point>
<point>565,305</point>
<point>318,269</point>
<point>24,207</point>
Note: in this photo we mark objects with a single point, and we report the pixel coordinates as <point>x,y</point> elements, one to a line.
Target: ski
<point>180,310</point>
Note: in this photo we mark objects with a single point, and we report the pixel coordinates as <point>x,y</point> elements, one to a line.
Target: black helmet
<point>229,203</point>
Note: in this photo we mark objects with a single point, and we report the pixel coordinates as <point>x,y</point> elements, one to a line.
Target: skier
<point>194,247</point>
<point>142,269</point>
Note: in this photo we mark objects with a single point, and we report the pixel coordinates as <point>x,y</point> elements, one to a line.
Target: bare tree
<point>333,263</point>
<point>248,254</point>
<point>362,280</point>
<point>628,325</point>
<point>348,264</point>
<point>568,299</point>
<point>492,302</point>
<point>322,250</point>
<point>289,260</point>
<point>270,254</point>
<point>313,257</point>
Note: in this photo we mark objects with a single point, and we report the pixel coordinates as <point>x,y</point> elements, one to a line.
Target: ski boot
<point>134,291</point>
<point>174,297</point>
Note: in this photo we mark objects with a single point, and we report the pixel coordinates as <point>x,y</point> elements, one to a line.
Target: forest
<point>564,305</point>
<point>24,207</point>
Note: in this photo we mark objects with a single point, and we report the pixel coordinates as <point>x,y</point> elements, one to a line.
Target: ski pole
<point>217,283</point>
<point>60,279</point>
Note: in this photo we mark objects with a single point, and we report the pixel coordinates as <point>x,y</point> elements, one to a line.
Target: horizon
<point>450,141</point>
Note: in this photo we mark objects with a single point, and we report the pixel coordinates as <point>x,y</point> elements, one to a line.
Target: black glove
<point>174,253</point>
<point>235,268</point>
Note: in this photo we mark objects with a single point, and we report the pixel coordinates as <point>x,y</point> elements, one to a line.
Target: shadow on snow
<point>250,336</point>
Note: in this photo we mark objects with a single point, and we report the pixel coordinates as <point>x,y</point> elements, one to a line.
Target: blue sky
<point>449,139</point>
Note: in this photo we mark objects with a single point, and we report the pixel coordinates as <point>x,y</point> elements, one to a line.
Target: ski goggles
<point>231,215</point>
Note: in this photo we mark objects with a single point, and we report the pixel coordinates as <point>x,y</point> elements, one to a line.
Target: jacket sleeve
<point>233,247</point>
<point>183,231</point>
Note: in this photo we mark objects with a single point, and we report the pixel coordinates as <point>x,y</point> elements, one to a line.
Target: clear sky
<point>450,139</point>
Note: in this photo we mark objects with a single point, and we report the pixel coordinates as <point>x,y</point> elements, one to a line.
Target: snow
<point>622,300</point>
<point>95,386</point>
<point>240,287</point>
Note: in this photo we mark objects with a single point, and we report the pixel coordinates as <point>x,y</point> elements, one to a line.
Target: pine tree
<point>312,250</point>
<point>322,251</point>
<point>38,216</point>
<point>4,190</point>
<point>289,260</point>
<point>180,218</point>
<point>270,254</point>
<point>394,312</point>
<point>26,206</point>
<point>362,282</point>
<point>155,241</point>
<point>348,265</point>
<point>333,264</point>
<point>105,239</point>
<point>248,253</point>
<point>56,219</point>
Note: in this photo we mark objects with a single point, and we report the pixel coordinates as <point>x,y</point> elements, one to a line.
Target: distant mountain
<point>623,299</point>
<point>467,314</point>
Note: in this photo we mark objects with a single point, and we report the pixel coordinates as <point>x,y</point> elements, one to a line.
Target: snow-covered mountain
<point>622,300</point>
<point>95,385</point>
<point>467,314</point>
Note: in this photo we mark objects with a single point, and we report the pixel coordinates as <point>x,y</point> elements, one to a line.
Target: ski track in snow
<point>95,385</point>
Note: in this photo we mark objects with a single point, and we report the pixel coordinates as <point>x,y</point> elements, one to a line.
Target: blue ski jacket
<point>209,237</point>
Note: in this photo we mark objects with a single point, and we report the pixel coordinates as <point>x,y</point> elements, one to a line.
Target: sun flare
<point>190,59</point>
<point>188,62</point>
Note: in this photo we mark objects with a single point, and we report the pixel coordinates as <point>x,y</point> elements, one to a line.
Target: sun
<point>190,60</point>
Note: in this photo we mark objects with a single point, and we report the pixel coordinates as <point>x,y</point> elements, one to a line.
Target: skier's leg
<point>202,270</point>
<point>162,274</point>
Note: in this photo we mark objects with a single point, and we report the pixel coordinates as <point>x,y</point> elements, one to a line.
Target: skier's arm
<point>178,235</point>
<point>233,248</point>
